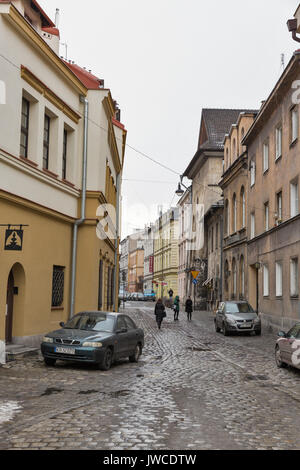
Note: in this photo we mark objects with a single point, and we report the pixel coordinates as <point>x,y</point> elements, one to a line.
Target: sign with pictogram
<point>13,237</point>
<point>195,274</point>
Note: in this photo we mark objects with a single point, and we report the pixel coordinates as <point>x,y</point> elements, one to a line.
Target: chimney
<point>57,18</point>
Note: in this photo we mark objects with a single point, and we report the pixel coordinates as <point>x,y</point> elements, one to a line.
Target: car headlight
<point>90,344</point>
<point>231,321</point>
<point>46,339</point>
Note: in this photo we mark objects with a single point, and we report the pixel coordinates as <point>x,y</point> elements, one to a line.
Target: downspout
<point>221,257</point>
<point>83,204</point>
<point>117,240</point>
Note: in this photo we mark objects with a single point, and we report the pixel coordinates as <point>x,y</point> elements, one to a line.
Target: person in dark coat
<point>189,308</point>
<point>160,313</point>
<point>176,308</point>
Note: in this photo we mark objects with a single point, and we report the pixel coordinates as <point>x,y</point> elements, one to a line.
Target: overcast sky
<point>164,61</point>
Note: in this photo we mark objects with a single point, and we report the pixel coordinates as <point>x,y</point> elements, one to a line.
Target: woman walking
<point>176,308</point>
<point>160,313</point>
<point>189,308</point>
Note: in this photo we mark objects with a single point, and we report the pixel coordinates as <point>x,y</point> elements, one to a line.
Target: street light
<point>179,191</point>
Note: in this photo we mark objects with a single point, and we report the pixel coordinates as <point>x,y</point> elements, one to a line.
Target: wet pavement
<point>192,389</point>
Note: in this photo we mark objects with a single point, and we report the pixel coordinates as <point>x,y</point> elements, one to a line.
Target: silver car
<point>237,317</point>
<point>287,350</point>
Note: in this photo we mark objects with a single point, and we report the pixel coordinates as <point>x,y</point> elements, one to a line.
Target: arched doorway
<point>9,308</point>
<point>15,297</point>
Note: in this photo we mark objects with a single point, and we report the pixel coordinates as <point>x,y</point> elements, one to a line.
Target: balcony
<point>235,237</point>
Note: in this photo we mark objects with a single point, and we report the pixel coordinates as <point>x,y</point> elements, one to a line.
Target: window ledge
<point>277,159</point>
<point>57,308</point>
<point>50,173</point>
<point>293,143</point>
<point>29,162</point>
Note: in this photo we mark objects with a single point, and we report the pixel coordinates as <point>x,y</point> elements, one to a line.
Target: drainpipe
<point>116,240</point>
<point>221,257</point>
<point>83,204</point>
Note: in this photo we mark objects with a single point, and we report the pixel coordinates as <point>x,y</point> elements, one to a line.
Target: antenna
<point>282,62</point>
<point>66,46</point>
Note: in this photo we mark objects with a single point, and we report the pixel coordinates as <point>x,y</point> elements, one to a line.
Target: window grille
<point>58,286</point>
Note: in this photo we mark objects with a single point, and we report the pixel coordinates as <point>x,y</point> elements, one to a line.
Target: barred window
<point>58,282</point>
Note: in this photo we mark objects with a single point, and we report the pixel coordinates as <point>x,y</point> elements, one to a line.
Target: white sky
<point>164,61</point>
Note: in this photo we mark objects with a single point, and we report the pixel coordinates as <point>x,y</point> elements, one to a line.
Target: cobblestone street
<point>192,389</point>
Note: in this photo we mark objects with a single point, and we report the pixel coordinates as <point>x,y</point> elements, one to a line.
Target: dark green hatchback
<point>96,338</point>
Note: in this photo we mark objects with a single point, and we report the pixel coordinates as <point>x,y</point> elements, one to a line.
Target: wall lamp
<point>292,27</point>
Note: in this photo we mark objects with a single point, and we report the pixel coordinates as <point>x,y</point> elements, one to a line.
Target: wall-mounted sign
<point>14,237</point>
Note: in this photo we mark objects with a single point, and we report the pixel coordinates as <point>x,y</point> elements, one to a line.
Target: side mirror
<point>121,330</point>
<point>281,334</point>
<point>62,324</point>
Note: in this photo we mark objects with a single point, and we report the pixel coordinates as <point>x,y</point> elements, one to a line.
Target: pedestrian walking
<point>160,313</point>
<point>189,308</point>
<point>176,308</point>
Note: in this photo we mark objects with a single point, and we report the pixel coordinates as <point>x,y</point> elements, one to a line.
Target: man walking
<point>176,308</point>
<point>189,308</point>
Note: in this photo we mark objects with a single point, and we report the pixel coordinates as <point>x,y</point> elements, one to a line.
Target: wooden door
<point>9,308</point>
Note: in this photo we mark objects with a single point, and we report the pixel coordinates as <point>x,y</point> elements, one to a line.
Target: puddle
<point>87,392</point>
<point>51,391</point>
<point>256,377</point>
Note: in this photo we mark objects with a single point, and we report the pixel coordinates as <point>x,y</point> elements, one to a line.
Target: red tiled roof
<point>88,79</point>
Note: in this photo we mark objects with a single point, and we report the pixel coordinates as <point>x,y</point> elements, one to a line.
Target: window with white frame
<point>266,208</point>
<point>278,273</point>
<point>279,208</point>
<point>266,280</point>
<point>234,214</point>
<point>294,195</point>
<point>294,124</point>
<point>252,173</point>
<point>278,142</point>
<point>252,225</point>
<point>294,277</point>
<point>243,203</point>
<point>266,156</point>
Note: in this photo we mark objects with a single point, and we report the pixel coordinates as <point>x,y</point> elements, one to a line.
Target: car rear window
<point>232,307</point>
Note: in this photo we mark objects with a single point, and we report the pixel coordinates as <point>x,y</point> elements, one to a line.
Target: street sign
<point>195,282</point>
<point>195,274</point>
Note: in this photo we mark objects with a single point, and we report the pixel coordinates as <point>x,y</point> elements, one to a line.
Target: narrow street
<point>192,389</point>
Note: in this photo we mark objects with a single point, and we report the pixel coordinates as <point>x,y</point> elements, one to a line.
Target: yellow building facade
<point>166,258</point>
<point>51,121</point>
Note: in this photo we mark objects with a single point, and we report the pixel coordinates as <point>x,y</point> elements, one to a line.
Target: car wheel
<point>217,328</point>
<point>258,332</point>
<point>225,330</point>
<point>278,360</point>
<point>49,362</point>
<point>137,353</point>
<point>107,360</point>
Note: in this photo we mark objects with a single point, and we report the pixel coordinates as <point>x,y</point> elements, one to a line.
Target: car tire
<point>107,360</point>
<point>49,362</point>
<point>258,332</point>
<point>137,353</point>
<point>218,329</point>
<point>280,364</point>
<point>225,330</point>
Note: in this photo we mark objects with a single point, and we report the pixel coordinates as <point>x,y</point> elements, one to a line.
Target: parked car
<point>148,297</point>
<point>237,317</point>
<point>286,349</point>
<point>96,338</point>
<point>140,297</point>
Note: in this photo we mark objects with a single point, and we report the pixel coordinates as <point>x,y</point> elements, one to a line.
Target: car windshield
<point>92,322</point>
<point>234,308</point>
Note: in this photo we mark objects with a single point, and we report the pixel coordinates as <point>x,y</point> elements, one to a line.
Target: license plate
<point>65,350</point>
<point>247,325</point>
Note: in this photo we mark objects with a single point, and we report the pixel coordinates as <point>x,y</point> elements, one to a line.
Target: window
<point>294,124</point>
<point>266,216</point>
<point>266,280</point>
<point>100,285</point>
<point>242,277</point>
<point>46,142</point>
<point>252,173</point>
<point>278,269</point>
<point>217,236</point>
<point>58,280</point>
<point>278,142</point>
<point>64,160</point>
<point>130,323</point>
<point>212,239</point>
<point>227,229</point>
<point>234,214</point>
<point>234,150</point>
<point>266,156</point>
<point>279,207</point>
<point>252,225</point>
<point>24,128</point>
<point>294,287</point>
<point>234,278</point>
<point>294,193</point>
<point>243,207</point>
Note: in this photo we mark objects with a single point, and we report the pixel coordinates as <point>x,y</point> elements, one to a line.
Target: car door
<point>122,346</point>
<point>287,343</point>
<point>133,335</point>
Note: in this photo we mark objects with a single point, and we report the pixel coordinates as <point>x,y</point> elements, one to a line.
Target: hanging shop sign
<point>14,237</point>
